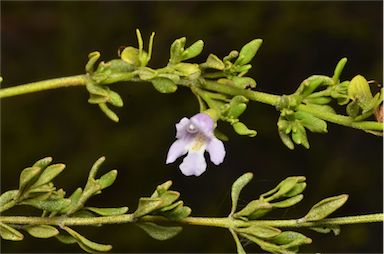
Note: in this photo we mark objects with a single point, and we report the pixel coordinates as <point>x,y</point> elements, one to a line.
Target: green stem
<point>78,80</point>
<point>340,119</point>
<point>266,98</point>
<point>225,222</point>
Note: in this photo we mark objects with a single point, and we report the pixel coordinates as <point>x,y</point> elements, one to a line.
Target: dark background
<point>42,40</point>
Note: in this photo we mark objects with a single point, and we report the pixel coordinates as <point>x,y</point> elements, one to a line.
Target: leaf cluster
<point>286,194</point>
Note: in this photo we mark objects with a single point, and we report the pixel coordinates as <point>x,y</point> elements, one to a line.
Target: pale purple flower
<point>194,136</point>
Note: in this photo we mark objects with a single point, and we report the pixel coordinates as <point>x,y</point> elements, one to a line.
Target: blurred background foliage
<point>42,40</point>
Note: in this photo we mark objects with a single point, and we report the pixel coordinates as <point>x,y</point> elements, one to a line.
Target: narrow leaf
<point>27,176</point>
<point>239,247</point>
<point>159,232</point>
<point>193,50</point>
<point>325,207</point>
<point>248,51</point>
<point>178,213</point>
<point>164,85</point>
<point>54,205</point>
<point>84,242</point>
<point>9,233</point>
<point>237,186</point>
<point>42,231</point>
<point>7,196</point>
<point>264,232</point>
<point>147,205</point>
<point>43,163</point>
<point>66,239</point>
<point>107,179</point>
<point>288,202</point>
<point>108,112</point>
<point>48,174</point>
<point>161,189</point>
<point>108,211</point>
<point>339,68</point>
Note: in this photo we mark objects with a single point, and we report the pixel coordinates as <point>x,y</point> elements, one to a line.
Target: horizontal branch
<point>225,222</point>
<point>78,80</point>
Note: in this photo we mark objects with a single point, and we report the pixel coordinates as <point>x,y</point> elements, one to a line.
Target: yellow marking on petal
<point>198,142</point>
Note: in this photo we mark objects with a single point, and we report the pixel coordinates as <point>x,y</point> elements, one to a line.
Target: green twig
<point>225,222</point>
<point>78,80</point>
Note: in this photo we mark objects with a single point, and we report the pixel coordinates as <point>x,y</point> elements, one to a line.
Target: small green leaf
<point>130,55</point>
<point>42,231</point>
<point>97,99</point>
<point>159,232</point>
<point>237,186</point>
<point>108,112</point>
<point>311,84</point>
<point>286,139</point>
<point>191,71</point>
<point>248,52</point>
<point>171,206</point>
<point>28,176</point>
<point>359,90</point>
<point>95,167</point>
<point>93,57</point>
<point>299,188</point>
<point>311,122</point>
<point>239,247</point>
<point>339,68</point>
<point>264,232</point>
<point>161,189</point>
<point>164,85</point>
<point>353,109</point>
<point>146,73</point>
<point>254,209</point>
<point>108,211</point>
<point>66,239</point>
<point>169,197</point>
<point>214,62</point>
<point>74,199</point>
<point>86,244</point>
<point>325,207</point>
<point>242,129</point>
<point>7,196</point>
<point>9,233</point>
<point>48,174</point>
<point>290,239</point>
<point>178,213</point>
<point>107,179</point>
<point>43,163</point>
<point>244,82</point>
<point>193,50</point>
<point>237,106</point>
<point>147,205</point>
<point>115,99</point>
<point>54,205</point>
<point>283,187</point>
<point>299,135</point>
<point>288,202</point>
<point>177,49</point>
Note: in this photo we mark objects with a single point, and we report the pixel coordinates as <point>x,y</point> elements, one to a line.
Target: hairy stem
<point>78,80</point>
<point>225,222</point>
<point>261,97</point>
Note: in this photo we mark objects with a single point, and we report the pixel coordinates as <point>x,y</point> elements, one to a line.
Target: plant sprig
<point>162,215</point>
<point>221,85</point>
